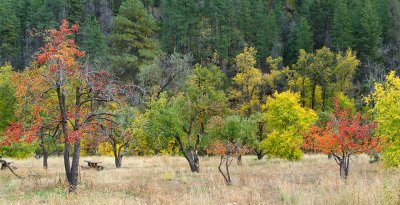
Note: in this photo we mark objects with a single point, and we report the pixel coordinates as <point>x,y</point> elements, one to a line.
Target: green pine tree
<point>370,34</point>
<point>342,38</point>
<point>93,42</point>
<point>9,32</point>
<point>74,11</point>
<point>300,38</point>
<point>132,39</point>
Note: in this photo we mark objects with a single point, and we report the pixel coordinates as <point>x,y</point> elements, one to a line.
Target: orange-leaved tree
<point>344,135</point>
<point>57,91</point>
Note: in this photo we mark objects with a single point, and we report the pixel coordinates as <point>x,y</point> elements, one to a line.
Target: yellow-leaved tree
<point>387,114</point>
<point>286,121</point>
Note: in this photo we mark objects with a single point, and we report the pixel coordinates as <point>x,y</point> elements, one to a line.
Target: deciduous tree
<point>343,136</point>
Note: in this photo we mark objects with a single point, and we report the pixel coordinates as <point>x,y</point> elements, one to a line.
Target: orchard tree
<point>344,135</point>
<point>119,132</point>
<point>227,137</point>
<point>386,110</point>
<point>184,117</point>
<point>286,121</point>
<point>246,94</point>
<point>57,82</point>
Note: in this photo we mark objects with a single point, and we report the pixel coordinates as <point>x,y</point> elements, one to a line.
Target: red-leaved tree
<point>342,137</point>
<point>59,92</point>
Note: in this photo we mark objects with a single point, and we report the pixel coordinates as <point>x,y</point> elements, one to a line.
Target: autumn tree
<point>251,87</point>
<point>343,136</point>
<point>286,121</point>
<point>246,93</point>
<point>227,137</point>
<point>386,110</point>
<point>58,81</point>
<point>321,74</point>
<point>184,116</point>
<point>119,133</point>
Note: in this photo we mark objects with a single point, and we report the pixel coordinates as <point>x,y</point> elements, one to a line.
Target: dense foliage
<point>187,77</point>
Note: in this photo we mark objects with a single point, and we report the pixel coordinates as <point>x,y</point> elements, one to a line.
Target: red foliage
<point>15,133</point>
<point>218,148</point>
<point>346,134</point>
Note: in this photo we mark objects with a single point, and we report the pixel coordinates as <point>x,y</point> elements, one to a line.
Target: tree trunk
<point>225,161</point>
<point>259,154</point>
<point>193,160</point>
<point>117,154</point>
<point>344,167</point>
<point>239,159</point>
<point>118,161</point>
<point>44,152</point>
<point>314,87</point>
<point>45,156</point>
<point>71,171</point>
<point>190,154</point>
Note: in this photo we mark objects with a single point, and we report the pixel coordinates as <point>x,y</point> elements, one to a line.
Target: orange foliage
<point>346,134</point>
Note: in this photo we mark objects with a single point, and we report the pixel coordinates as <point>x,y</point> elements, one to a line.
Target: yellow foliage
<point>105,149</point>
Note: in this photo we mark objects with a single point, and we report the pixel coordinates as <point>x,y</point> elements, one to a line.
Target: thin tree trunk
<point>239,159</point>
<point>314,87</point>
<point>344,167</point>
<point>67,145</point>
<point>45,156</point>
<point>259,154</point>
<point>117,155</point>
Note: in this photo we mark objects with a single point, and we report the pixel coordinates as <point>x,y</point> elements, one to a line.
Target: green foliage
<point>300,38</point>
<point>9,32</point>
<point>370,33</point>
<point>167,73</point>
<point>18,150</point>
<point>7,97</point>
<point>132,39</point>
<point>94,42</point>
<point>341,26</point>
<point>75,11</point>
<point>285,121</point>
<point>323,74</point>
<point>231,129</point>
<point>186,114</point>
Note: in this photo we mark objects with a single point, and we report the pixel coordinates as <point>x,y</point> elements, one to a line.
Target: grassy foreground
<point>168,180</point>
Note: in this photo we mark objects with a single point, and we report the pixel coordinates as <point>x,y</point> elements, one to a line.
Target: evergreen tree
<point>392,59</point>
<point>50,14</point>
<point>9,32</point>
<point>74,11</point>
<point>321,21</point>
<point>341,28</point>
<point>180,27</point>
<point>131,38</point>
<point>371,30</point>
<point>93,42</point>
<point>300,38</point>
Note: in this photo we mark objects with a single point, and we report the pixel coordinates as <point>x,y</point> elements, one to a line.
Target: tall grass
<point>168,180</point>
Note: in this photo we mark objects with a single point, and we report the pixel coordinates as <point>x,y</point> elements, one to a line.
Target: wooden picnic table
<point>94,165</point>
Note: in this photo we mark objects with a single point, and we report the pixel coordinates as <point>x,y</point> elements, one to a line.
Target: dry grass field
<point>168,180</point>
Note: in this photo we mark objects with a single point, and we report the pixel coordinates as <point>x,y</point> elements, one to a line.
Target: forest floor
<point>168,180</point>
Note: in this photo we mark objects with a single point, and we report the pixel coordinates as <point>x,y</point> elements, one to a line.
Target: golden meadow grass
<point>168,180</point>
